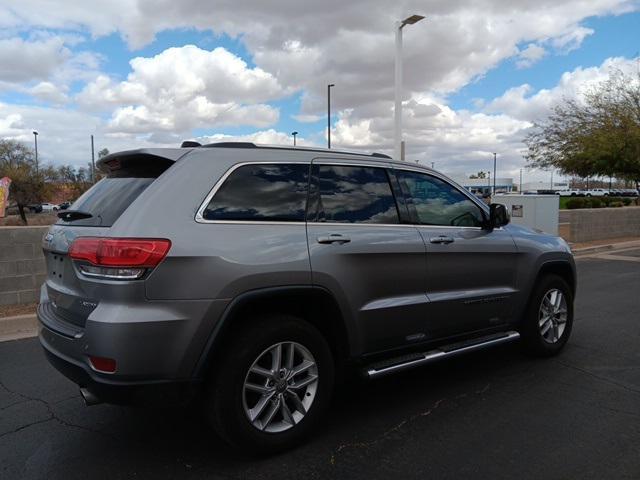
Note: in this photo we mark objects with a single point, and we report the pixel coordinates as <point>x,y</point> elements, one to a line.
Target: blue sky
<point>123,71</point>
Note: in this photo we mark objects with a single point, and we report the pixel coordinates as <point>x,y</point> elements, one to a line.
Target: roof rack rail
<point>190,144</point>
<point>284,147</point>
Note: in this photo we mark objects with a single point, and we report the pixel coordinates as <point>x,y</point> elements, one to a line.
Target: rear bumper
<point>115,390</point>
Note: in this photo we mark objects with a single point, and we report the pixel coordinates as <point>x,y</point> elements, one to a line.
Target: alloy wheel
<point>280,387</point>
<point>552,315</point>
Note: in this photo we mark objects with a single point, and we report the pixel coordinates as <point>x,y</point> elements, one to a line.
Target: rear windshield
<point>112,195</point>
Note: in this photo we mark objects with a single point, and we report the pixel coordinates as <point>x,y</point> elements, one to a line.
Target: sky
<point>140,73</point>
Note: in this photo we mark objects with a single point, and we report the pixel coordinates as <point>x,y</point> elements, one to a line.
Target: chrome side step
<point>446,351</point>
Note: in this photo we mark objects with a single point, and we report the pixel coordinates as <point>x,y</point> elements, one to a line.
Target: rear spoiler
<point>159,156</point>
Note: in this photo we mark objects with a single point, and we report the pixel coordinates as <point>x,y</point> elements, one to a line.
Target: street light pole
<point>329,114</point>
<point>398,84</point>
<point>494,173</point>
<point>35,137</point>
<point>294,137</point>
<point>520,181</point>
<point>93,162</point>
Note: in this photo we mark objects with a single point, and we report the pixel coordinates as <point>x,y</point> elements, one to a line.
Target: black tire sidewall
<point>224,401</point>
<point>534,343</point>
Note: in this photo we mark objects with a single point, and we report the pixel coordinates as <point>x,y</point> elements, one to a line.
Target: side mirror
<point>498,215</point>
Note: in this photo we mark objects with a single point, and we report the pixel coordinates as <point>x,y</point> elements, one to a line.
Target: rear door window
<point>352,194</point>
<point>111,196</point>
<point>262,192</point>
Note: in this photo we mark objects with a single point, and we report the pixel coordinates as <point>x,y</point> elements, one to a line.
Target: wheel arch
<point>311,303</point>
<point>563,268</point>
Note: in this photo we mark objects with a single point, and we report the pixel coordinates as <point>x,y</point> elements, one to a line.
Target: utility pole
<point>93,162</point>
<point>329,114</point>
<point>551,179</point>
<point>433,165</point>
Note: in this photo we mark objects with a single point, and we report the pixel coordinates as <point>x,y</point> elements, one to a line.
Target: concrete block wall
<point>22,266</point>
<point>589,224</point>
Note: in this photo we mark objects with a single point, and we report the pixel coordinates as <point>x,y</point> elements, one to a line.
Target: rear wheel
<point>272,385</point>
<point>549,317</point>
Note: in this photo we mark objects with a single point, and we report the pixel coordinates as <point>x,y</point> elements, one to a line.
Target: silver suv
<point>250,277</point>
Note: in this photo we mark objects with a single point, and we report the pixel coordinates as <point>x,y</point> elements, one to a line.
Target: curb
<point>604,248</point>
<point>18,326</point>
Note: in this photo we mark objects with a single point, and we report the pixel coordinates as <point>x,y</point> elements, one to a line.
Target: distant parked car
<point>597,192</point>
<point>629,192</point>
<point>64,205</point>
<point>49,207</point>
<point>572,193</point>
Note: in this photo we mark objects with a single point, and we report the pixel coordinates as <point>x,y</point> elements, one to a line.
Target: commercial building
<point>485,185</point>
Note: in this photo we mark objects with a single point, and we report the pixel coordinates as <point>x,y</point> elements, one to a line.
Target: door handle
<point>441,239</point>
<point>333,238</point>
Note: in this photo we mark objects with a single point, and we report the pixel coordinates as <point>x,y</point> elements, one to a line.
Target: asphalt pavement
<point>495,414</point>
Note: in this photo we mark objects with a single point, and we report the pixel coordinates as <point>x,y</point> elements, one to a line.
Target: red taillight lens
<point>120,252</point>
<point>101,364</point>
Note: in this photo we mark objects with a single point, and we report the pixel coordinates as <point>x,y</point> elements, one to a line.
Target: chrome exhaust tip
<point>88,397</point>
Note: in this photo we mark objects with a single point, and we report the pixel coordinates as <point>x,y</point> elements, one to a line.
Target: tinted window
<point>112,195</point>
<point>354,195</point>
<point>435,202</point>
<point>276,192</point>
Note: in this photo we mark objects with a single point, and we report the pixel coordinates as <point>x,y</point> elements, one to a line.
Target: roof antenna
<point>190,144</point>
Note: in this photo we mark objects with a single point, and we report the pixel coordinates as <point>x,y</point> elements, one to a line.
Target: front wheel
<point>549,317</point>
<point>272,385</point>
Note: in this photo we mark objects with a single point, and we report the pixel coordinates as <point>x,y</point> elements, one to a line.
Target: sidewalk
<point>587,248</point>
<point>18,326</point>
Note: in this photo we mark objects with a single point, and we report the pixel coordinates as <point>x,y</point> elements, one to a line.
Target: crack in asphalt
<point>399,426</point>
<point>599,377</point>
<point>52,415</point>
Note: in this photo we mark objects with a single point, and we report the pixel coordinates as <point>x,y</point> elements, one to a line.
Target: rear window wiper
<point>71,215</point>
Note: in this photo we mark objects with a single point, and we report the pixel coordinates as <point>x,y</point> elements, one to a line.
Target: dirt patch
<point>34,219</point>
<point>13,310</point>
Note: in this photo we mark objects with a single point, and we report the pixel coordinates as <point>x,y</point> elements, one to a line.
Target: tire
<point>535,339</point>
<point>228,403</point>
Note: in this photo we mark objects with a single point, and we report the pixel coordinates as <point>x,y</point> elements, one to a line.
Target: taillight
<point>118,258</point>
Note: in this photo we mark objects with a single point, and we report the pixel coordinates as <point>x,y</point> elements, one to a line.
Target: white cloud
<point>264,137</point>
<point>530,55</point>
<point>572,39</point>
<point>522,103</point>
<point>184,88</point>
<point>24,60</point>
<point>49,92</point>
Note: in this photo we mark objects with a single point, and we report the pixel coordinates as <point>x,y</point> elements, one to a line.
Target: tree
<point>17,162</point>
<point>103,153</point>
<point>598,135</point>
<point>480,174</point>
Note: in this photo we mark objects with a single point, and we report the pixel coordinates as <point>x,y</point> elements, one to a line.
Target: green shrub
<point>606,201</point>
<point>596,203</point>
<point>616,204</point>
<point>574,203</point>
<point>626,201</point>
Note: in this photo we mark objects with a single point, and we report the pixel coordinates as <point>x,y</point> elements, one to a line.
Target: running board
<point>406,362</point>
